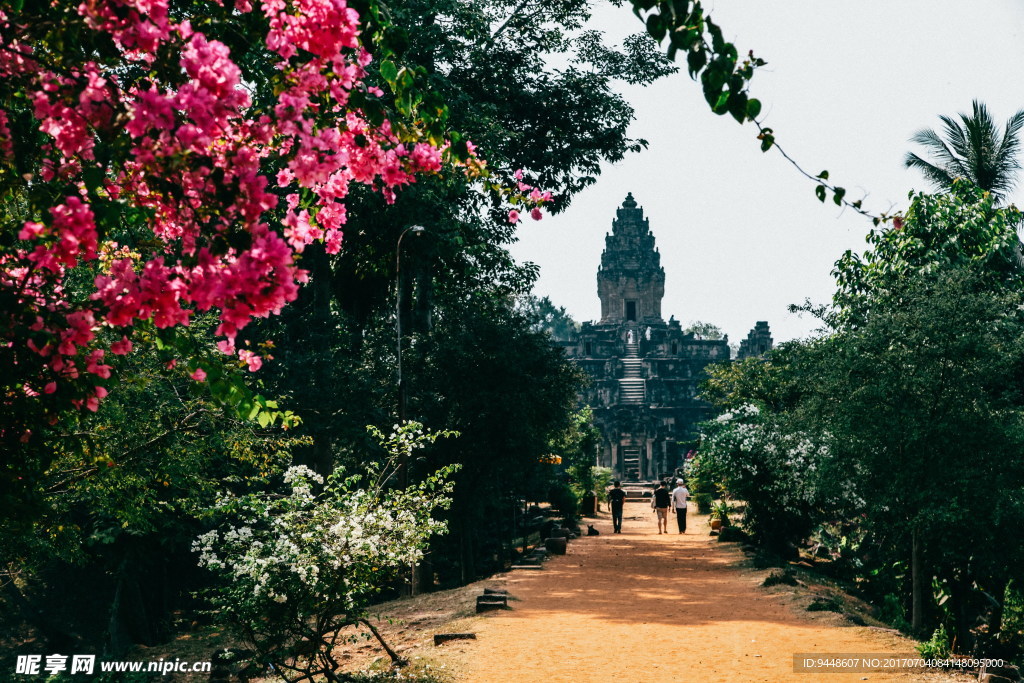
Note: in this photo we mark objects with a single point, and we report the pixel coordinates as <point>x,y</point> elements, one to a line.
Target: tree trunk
<point>117,642</point>
<point>318,261</point>
<point>960,598</point>
<point>396,660</point>
<point>998,595</point>
<point>918,586</point>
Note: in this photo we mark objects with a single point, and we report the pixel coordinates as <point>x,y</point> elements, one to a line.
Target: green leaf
<point>823,175</point>
<point>840,192</point>
<point>753,108</point>
<point>738,107</point>
<point>715,77</point>
<point>695,61</point>
<point>820,191</point>
<point>93,177</point>
<point>656,27</point>
<point>388,71</point>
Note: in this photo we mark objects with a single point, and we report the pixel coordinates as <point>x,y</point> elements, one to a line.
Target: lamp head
<point>417,229</point>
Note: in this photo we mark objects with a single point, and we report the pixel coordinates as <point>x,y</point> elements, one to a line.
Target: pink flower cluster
<point>535,197</point>
<point>198,165</point>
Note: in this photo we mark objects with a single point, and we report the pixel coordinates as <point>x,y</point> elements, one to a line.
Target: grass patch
<point>832,604</point>
<point>780,577</point>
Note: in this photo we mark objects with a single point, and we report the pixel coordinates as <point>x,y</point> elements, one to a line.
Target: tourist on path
<point>617,497</point>
<point>679,496</point>
<point>660,502</point>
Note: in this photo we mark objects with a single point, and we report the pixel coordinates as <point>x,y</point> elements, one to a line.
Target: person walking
<point>617,498</point>
<point>660,502</point>
<point>679,496</point>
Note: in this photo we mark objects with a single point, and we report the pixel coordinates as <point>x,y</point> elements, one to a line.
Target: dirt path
<point>641,606</point>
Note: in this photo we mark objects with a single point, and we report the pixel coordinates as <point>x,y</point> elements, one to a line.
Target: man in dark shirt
<point>660,501</point>
<point>617,497</point>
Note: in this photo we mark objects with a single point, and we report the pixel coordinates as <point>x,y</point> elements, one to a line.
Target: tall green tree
<point>930,420</point>
<point>486,373</point>
<point>97,555</point>
<point>972,147</point>
<point>959,228</point>
<point>548,317</point>
<point>704,330</point>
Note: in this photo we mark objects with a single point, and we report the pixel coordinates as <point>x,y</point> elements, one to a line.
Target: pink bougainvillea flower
<point>121,348</point>
<point>251,359</point>
<point>200,164</point>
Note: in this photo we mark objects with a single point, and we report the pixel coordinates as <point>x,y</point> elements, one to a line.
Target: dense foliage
<point>174,173</point>
<point>897,434</point>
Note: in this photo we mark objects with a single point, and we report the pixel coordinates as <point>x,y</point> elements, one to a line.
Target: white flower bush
<point>297,567</point>
<point>781,472</point>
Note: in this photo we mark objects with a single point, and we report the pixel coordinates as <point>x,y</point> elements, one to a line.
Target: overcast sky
<point>740,232</point>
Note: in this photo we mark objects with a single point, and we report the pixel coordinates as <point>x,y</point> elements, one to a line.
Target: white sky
<point>741,233</point>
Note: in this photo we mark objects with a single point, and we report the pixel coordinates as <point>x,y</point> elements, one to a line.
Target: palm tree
<point>972,148</point>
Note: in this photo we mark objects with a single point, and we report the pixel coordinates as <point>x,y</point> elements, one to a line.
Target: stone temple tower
<point>645,372</point>
<point>630,280</point>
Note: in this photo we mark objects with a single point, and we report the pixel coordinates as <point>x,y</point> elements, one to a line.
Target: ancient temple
<point>645,371</point>
<point>757,343</point>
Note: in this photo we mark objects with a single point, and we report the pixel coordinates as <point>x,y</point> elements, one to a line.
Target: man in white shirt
<point>679,496</point>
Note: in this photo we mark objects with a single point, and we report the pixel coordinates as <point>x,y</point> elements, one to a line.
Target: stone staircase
<point>631,465</point>
<point>632,386</point>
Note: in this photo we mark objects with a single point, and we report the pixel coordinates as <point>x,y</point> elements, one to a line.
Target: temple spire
<point>630,281</point>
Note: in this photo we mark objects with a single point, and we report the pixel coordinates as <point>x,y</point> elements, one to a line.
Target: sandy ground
<point>640,606</point>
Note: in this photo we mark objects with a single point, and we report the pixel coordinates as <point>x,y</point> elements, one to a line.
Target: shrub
<point>296,568</point>
<point>936,648</point>
<point>778,577</point>
<point>704,502</point>
<point>830,604</point>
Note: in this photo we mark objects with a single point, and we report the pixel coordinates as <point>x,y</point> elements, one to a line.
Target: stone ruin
<point>645,371</point>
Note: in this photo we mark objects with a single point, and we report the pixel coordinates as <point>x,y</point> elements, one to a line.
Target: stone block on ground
<point>440,638</point>
<point>500,599</point>
<point>556,546</point>
<point>483,605</point>
<point>534,567</point>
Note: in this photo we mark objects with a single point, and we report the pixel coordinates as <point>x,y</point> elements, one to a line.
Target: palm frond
<point>936,175</point>
<point>1006,157</point>
<point>972,147</point>
<point>956,136</point>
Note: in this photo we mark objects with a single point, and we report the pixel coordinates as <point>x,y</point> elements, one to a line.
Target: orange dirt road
<point>640,606</point>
